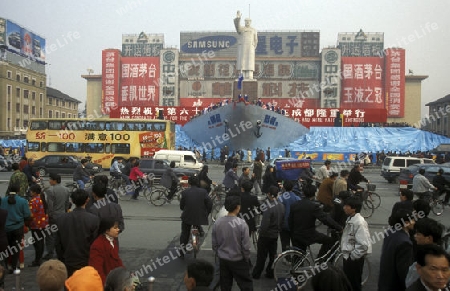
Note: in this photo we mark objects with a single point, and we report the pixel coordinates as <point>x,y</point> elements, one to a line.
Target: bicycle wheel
<point>158,197</point>
<point>375,199</point>
<point>339,262</point>
<point>291,265</point>
<point>437,207</point>
<point>367,209</point>
<point>122,194</point>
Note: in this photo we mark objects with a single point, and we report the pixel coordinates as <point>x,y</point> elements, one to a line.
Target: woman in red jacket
<point>104,253</point>
<point>135,176</point>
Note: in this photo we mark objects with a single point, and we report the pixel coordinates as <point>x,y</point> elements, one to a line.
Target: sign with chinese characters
<point>152,141</point>
<point>268,103</point>
<point>168,89</point>
<point>362,82</point>
<point>308,116</point>
<point>142,45</point>
<point>270,44</point>
<point>395,82</point>
<point>214,88</point>
<point>361,44</point>
<point>331,83</point>
<point>110,80</point>
<point>297,89</point>
<point>139,81</point>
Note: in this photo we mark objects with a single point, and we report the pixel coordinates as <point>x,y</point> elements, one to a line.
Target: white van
<point>182,159</point>
<point>391,167</point>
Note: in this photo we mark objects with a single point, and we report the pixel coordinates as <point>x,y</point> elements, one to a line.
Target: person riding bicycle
<point>196,206</point>
<point>355,177</point>
<point>116,170</point>
<point>442,185</point>
<point>205,181</point>
<point>302,222</point>
<point>231,178</point>
<point>81,175</point>
<point>421,186</point>
<point>170,181</point>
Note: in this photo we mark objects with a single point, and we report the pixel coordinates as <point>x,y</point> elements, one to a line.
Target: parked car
<point>390,170</point>
<point>407,174</point>
<point>61,164</point>
<point>184,159</point>
<point>157,168</point>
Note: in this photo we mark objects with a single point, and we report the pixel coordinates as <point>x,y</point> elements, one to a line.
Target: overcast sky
<point>81,29</point>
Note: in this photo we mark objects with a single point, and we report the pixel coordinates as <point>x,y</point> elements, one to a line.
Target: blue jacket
<point>287,199</point>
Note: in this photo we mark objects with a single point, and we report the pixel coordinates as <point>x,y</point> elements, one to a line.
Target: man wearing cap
<point>325,195</point>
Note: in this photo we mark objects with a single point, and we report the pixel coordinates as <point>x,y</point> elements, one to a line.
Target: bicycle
<point>217,195</point>
<point>72,186</point>
<point>437,204</point>
<point>374,197</point>
<point>298,266</point>
<point>367,207</point>
<point>159,196</point>
<point>125,192</point>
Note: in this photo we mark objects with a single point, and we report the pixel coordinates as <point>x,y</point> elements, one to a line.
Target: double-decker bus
<point>100,139</point>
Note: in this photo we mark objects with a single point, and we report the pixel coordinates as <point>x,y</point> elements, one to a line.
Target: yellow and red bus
<point>100,139</point>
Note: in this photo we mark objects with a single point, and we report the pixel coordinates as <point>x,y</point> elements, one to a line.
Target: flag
<point>239,84</point>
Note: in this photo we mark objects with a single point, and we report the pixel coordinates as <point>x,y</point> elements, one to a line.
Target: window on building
<point>9,91</point>
<point>17,122</point>
<point>33,110</point>
<point>9,74</point>
<point>18,92</point>
<point>33,82</point>
<point>69,115</point>
<point>63,103</point>
<point>57,102</point>
<point>8,125</point>
<point>40,97</point>
<point>50,101</point>
<point>26,79</point>
<point>25,123</point>
<point>18,107</point>
<point>50,114</point>
<point>18,77</point>
<point>33,96</point>
<point>57,114</point>
<point>41,84</point>
<point>9,106</point>
<point>25,109</point>
<point>25,93</point>
<point>63,115</point>
<point>40,113</point>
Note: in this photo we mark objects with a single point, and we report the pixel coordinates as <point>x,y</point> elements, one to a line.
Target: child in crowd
<point>104,253</point>
<point>38,223</point>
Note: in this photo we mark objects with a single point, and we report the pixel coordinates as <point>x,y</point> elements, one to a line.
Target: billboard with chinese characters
<point>168,90</point>
<point>361,44</point>
<point>142,45</point>
<point>22,41</point>
<point>363,82</point>
<point>139,84</point>
<point>110,80</point>
<point>270,44</point>
<point>331,68</point>
<point>395,82</point>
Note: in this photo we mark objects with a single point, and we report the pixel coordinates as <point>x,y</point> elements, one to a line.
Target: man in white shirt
<point>421,185</point>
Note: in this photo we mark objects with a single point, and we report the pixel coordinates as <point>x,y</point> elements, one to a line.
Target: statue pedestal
<point>249,87</point>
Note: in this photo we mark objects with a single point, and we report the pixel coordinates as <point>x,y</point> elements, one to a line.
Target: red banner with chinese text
<point>395,82</point>
<point>110,80</point>
<point>362,82</point>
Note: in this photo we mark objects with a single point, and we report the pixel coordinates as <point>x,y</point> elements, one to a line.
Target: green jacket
<point>20,179</point>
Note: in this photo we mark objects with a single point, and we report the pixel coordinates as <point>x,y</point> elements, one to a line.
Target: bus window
<point>90,125</point>
<point>150,126</point>
<point>38,125</point>
<point>43,147</point>
<point>94,148</point>
<point>107,148</point>
<point>120,148</point>
<point>55,125</point>
<point>119,126</point>
<point>140,126</point>
<point>33,146</point>
<point>129,126</point>
<point>74,147</point>
<point>55,147</point>
<point>75,125</point>
<point>100,125</point>
<point>108,126</point>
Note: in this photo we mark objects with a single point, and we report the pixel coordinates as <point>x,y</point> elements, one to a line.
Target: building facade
<point>437,119</point>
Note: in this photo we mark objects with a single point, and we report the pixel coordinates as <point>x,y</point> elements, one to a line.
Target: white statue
<point>246,47</point>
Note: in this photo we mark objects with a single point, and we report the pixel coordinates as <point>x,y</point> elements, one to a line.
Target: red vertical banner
<point>362,82</point>
<point>139,81</point>
<point>395,82</point>
<point>110,80</point>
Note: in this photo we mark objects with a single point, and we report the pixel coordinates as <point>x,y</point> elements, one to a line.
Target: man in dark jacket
<point>76,232</point>
<point>257,170</point>
<point>249,206</point>
<point>355,177</point>
<point>170,181</point>
<point>406,197</point>
<point>396,253</point>
<point>271,223</point>
<point>442,185</point>
<point>302,222</point>
<point>103,208</point>
<point>196,206</point>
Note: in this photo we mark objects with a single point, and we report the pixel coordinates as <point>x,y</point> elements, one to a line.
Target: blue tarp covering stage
<point>346,141</point>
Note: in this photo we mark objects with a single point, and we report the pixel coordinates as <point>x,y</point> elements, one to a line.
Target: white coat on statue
<point>246,47</point>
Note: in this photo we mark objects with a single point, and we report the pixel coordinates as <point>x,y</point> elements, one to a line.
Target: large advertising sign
<point>362,82</point>
<point>270,44</point>
<point>110,80</point>
<point>21,41</point>
<point>142,45</point>
<point>331,68</point>
<point>168,90</point>
<point>395,82</point>
<point>140,78</point>
<point>307,116</point>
